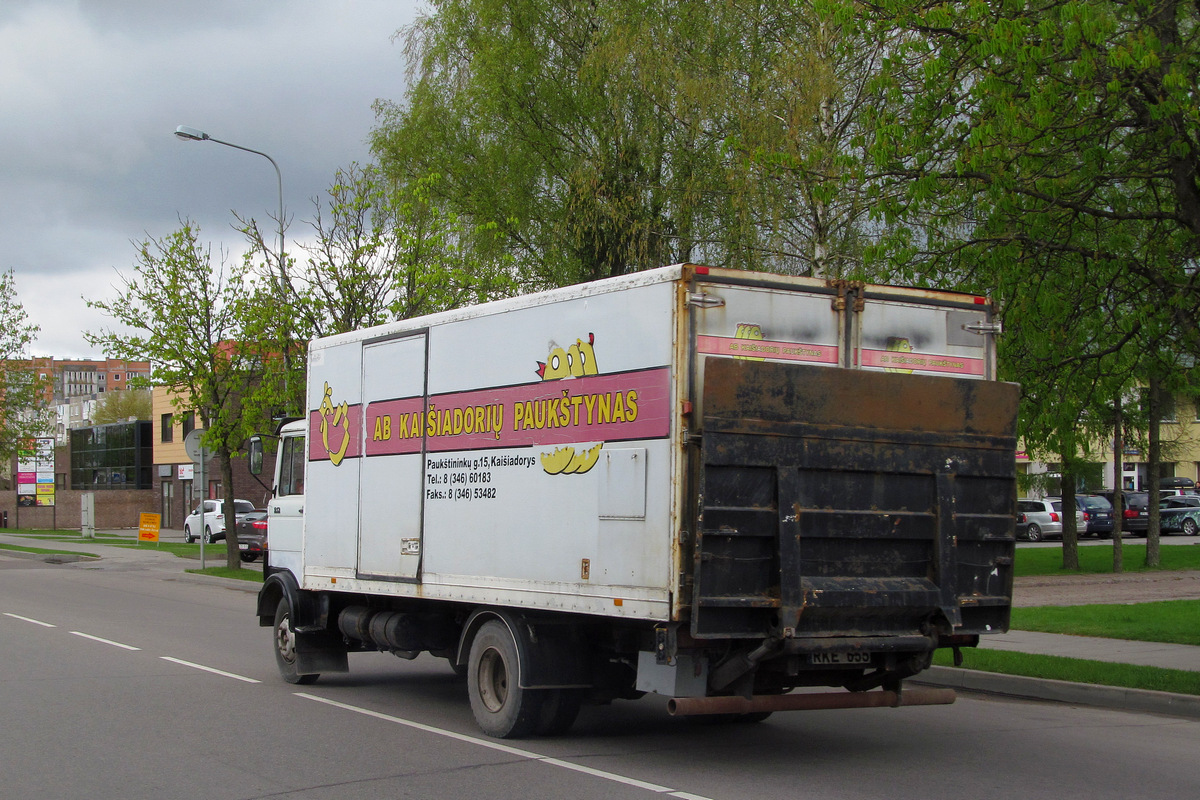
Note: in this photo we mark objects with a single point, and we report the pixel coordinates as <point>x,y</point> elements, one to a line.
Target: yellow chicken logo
<point>333,417</point>
<point>897,344</point>
<point>576,361</point>
<point>749,330</point>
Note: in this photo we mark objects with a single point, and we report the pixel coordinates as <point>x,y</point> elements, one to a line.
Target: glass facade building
<point>117,456</point>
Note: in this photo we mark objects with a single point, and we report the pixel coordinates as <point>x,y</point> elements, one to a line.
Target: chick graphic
<point>898,344</point>
<point>576,361</point>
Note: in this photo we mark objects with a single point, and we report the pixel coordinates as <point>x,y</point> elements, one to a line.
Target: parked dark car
<point>1180,514</point>
<point>1135,511</point>
<point>1097,515</point>
<point>252,535</point>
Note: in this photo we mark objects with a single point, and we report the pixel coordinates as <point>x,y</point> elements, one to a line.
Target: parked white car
<point>212,525</point>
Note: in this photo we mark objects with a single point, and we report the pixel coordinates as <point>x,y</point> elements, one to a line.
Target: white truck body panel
<point>443,465</point>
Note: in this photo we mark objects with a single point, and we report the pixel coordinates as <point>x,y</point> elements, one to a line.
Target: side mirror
<point>255,456</point>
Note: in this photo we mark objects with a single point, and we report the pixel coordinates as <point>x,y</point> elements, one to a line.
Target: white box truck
<point>716,485</point>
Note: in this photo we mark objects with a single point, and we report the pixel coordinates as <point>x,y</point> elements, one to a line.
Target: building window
<point>168,428</point>
<point>1167,410</point>
<point>189,422</point>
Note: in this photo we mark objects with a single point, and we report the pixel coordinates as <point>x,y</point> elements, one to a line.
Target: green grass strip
<point>1101,673</point>
<point>1173,621</point>
<point>42,551</point>
<point>254,576</point>
<point>1099,559</point>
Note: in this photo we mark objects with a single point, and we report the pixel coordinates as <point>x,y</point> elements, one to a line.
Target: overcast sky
<point>91,92</point>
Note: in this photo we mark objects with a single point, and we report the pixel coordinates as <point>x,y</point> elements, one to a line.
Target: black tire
<point>285,646</point>
<point>187,535</point>
<point>501,707</point>
<point>208,536</point>
<point>1189,527</point>
<point>559,710</point>
<point>249,557</point>
<point>1033,533</point>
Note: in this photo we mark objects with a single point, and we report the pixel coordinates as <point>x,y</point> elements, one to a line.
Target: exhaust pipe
<point>808,701</point>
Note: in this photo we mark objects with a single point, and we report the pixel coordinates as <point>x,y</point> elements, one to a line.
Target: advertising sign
<point>148,526</point>
<point>35,472</point>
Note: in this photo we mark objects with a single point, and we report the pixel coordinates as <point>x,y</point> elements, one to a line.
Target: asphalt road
<point>127,682</point>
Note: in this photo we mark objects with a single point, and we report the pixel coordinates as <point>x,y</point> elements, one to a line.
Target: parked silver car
<point>1037,519</point>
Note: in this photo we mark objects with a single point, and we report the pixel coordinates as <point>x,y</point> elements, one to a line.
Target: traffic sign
<point>195,451</point>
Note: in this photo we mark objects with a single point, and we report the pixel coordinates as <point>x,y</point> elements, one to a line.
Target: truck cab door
<point>285,511</point>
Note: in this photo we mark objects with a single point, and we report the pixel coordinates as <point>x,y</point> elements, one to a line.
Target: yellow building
<point>1180,453</point>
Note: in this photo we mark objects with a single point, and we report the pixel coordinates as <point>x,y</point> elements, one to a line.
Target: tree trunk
<point>1070,534</point>
<point>233,556</point>
<point>1154,472</point>
<point>1118,461</point>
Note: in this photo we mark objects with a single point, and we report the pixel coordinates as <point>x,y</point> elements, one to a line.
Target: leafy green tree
<point>121,406</point>
<point>1050,155</point>
<point>379,252</point>
<point>608,137</point>
<point>182,313</point>
<point>382,252</point>
<point>24,409</point>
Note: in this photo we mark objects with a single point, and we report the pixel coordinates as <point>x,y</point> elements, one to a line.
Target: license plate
<point>839,658</point>
<point>243,546</point>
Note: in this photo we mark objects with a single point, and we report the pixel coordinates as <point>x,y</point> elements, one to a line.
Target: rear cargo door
<point>857,503</point>
<point>390,520</point>
<point>922,336</point>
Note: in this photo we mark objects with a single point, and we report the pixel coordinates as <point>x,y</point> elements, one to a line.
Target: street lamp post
<point>193,135</point>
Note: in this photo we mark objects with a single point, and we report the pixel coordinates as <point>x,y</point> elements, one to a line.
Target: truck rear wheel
<point>285,646</point>
<point>501,707</point>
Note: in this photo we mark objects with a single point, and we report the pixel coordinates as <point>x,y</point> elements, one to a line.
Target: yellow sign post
<point>148,526</point>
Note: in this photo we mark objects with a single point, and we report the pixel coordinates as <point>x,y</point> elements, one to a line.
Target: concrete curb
<point>49,558</point>
<point>1083,694</point>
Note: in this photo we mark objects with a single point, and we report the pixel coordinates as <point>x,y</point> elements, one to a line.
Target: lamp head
<point>190,134</point>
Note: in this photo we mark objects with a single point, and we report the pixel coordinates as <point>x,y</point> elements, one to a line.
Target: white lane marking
<point>214,671</point>
<point>30,619</point>
<point>105,641</point>
<point>503,748</point>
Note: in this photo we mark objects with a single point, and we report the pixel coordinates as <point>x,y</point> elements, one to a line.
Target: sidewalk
<point>1117,651</point>
<point>1090,648</point>
<point>145,556</point>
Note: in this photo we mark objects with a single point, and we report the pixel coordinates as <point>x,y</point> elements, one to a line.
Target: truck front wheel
<point>285,646</point>
<point>501,707</point>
